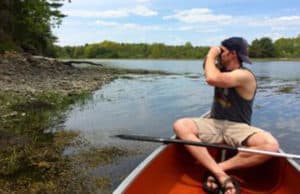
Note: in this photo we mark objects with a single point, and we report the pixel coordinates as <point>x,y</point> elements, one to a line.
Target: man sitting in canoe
<point>230,120</point>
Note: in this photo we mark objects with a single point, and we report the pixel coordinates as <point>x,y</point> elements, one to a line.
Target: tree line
<point>259,48</point>
<point>282,47</point>
<point>25,26</point>
<point>109,49</point>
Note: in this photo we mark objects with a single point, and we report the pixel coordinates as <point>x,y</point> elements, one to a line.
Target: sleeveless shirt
<point>229,105</point>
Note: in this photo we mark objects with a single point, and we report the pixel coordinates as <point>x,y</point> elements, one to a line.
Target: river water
<point>149,104</point>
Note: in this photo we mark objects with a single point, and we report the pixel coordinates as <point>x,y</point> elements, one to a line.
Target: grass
<point>30,159</point>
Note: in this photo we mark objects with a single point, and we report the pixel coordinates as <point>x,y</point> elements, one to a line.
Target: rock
<point>5,78</point>
<point>30,89</point>
<point>44,164</point>
<point>27,74</point>
<point>12,114</point>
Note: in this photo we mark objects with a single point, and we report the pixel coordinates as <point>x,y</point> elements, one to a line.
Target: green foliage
<point>262,48</point>
<point>27,25</point>
<point>109,49</point>
<point>283,47</point>
<point>288,47</point>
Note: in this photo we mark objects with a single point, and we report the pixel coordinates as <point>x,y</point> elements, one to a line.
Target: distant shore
<point>276,59</point>
<point>253,59</point>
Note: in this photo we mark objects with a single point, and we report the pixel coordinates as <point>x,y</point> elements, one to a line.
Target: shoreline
<point>35,94</point>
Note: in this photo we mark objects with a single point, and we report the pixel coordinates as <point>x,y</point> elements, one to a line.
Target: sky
<point>175,22</point>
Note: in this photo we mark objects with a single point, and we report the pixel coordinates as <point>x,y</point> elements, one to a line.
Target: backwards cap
<point>239,45</point>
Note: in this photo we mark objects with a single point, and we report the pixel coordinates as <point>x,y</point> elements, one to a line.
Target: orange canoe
<point>171,169</point>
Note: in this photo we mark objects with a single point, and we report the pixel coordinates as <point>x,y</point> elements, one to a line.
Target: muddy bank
<point>27,74</point>
<point>34,95</point>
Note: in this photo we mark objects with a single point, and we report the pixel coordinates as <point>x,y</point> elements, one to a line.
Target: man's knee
<point>178,126</point>
<point>270,143</point>
<point>273,144</point>
<point>184,126</point>
<point>264,140</point>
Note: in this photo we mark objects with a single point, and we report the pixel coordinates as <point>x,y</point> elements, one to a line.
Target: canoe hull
<point>171,169</point>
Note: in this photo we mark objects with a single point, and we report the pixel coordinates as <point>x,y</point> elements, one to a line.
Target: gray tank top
<point>229,105</point>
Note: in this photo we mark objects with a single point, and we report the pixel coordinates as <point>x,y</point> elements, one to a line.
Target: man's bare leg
<point>263,141</point>
<point>186,129</point>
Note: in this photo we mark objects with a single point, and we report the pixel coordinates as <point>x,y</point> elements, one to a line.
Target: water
<point>149,104</point>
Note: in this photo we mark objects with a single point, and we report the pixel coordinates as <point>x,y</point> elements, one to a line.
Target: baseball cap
<point>238,44</point>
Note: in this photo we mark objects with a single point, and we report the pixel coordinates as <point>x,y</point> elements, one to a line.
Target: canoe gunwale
<point>130,178</point>
<point>292,162</point>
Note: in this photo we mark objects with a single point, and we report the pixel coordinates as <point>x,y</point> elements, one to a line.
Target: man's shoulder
<point>246,79</point>
<point>245,72</point>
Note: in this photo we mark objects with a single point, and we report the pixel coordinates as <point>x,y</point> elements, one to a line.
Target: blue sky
<point>175,22</point>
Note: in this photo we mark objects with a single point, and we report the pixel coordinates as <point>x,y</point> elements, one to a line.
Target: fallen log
<point>69,63</point>
<point>80,62</point>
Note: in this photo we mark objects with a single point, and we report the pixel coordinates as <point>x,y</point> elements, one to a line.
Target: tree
<point>188,45</point>
<point>156,50</point>
<point>262,48</point>
<point>288,47</point>
<point>27,24</point>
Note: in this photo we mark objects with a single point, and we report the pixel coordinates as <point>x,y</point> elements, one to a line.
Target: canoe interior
<point>174,170</point>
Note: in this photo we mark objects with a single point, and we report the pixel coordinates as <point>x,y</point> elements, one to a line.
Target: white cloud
<point>196,28</point>
<point>186,28</point>
<point>143,11</point>
<point>100,14</point>
<point>128,26</point>
<point>215,21</point>
<point>199,15</point>
<point>142,1</point>
<point>117,13</point>
<point>289,18</point>
<point>105,23</point>
<point>283,21</point>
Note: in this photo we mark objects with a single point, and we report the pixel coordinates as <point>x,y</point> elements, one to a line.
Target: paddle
<point>185,142</point>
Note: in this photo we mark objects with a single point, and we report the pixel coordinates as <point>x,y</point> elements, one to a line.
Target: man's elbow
<point>211,80</point>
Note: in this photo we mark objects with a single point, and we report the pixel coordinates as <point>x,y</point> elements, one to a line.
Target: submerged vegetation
<point>100,156</point>
<point>31,160</point>
<point>35,95</point>
<point>35,113</point>
<point>286,89</point>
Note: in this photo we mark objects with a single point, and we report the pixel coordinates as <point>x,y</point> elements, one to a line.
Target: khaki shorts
<point>223,131</point>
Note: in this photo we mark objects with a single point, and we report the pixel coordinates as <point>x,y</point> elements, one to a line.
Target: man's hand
<point>214,52</point>
<point>211,71</point>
